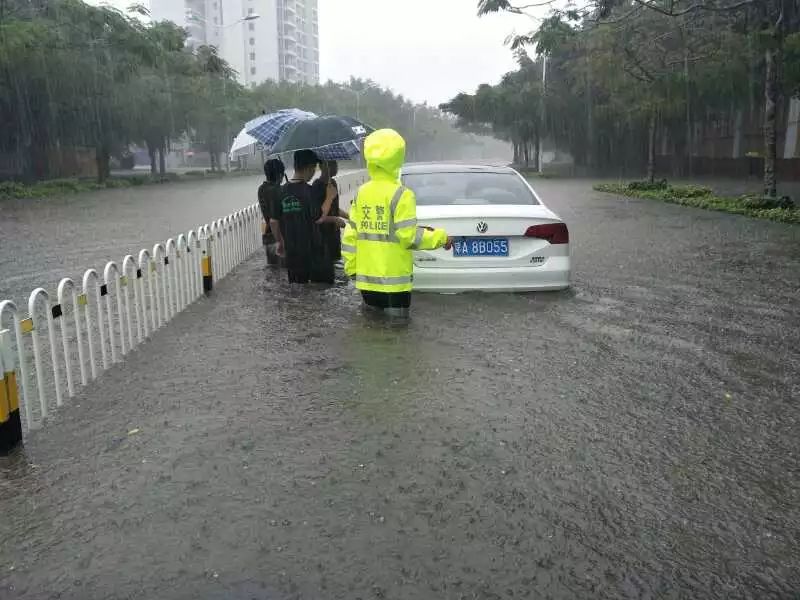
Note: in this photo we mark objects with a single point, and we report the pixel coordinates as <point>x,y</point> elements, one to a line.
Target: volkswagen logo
<point>482,227</point>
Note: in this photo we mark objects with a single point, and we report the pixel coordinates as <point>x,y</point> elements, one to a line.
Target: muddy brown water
<point>634,437</point>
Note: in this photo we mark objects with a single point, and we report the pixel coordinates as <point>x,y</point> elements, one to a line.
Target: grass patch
<point>15,190</point>
<point>56,187</point>
<point>549,172</point>
<point>772,209</point>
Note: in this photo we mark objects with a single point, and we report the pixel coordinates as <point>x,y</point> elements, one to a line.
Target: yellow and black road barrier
<point>10,423</point>
<point>208,274</point>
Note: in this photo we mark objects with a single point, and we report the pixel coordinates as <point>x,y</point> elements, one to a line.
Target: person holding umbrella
<point>293,221</point>
<point>382,231</point>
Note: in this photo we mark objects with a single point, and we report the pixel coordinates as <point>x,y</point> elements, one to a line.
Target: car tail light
<point>555,233</point>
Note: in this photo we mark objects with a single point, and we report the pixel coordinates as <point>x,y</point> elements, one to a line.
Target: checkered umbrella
<point>328,135</point>
<point>339,151</point>
<point>268,129</point>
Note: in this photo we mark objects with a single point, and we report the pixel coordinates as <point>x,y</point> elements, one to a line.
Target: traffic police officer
<point>382,230</point>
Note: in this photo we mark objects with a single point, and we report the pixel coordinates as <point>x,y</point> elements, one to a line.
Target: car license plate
<point>480,247</point>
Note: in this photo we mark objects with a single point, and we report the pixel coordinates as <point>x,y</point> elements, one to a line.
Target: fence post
<point>35,321</point>
<point>183,257</point>
<point>170,276</point>
<point>146,272</point>
<point>10,422</point>
<point>218,236</point>
<point>66,286</point>
<point>129,281</point>
<point>207,244</point>
<point>191,266</point>
<point>111,273</point>
<point>157,269</point>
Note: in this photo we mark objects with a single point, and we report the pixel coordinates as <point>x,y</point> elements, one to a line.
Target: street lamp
<point>358,94</point>
<point>250,17</point>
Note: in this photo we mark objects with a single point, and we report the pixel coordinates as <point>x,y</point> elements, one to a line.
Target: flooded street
<point>633,437</point>
<point>42,241</point>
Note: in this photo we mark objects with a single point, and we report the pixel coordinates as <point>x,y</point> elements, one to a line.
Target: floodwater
<point>43,240</point>
<point>634,437</point>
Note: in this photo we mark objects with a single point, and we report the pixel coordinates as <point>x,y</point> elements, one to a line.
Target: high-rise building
<point>298,26</point>
<point>260,39</point>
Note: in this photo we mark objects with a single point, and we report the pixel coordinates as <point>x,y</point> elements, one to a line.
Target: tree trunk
<point>590,148</point>
<point>516,152</point>
<point>536,155</point>
<point>526,149</point>
<point>770,122</point>
<point>689,136</point>
<point>162,164</point>
<point>151,152</point>
<point>103,161</point>
<point>651,149</point>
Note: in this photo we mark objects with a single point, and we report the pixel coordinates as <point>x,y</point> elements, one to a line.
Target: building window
<point>250,11</point>
<point>252,70</point>
<point>252,41</point>
<point>251,26</point>
<point>252,56</point>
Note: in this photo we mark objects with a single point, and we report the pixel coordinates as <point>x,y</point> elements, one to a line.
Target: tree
<point>161,93</point>
<point>219,103</point>
<point>764,24</point>
<point>511,110</point>
<point>77,78</point>
<point>65,68</point>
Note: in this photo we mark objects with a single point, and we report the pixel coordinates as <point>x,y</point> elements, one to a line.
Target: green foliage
<point>512,109</point>
<point>703,197</point>
<point>63,187</point>
<point>79,76</point>
<point>614,67</point>
<point>761,202</point>
<point>791,61</point>
<point>56,187</point>
<point>648,185</point>
<point>429,135</point>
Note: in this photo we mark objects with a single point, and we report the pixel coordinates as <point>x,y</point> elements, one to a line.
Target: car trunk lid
<point>478,226</point>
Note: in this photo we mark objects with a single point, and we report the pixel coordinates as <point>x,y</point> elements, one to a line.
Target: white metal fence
<point>68,341</point>
<point>60,344</point>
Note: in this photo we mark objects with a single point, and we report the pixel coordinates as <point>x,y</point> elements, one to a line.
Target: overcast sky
<point>428,50</point>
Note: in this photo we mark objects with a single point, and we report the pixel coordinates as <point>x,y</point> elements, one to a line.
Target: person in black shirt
<point>293,220</point>
<point>268,193</point>
<point>330,226</point>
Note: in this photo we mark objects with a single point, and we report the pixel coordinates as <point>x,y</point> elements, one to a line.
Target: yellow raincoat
<point>382,231</point>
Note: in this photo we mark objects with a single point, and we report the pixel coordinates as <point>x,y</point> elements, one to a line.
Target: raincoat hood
<point>385,153</point>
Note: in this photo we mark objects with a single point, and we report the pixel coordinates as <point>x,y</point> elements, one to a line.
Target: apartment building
<point>298,26</point>
<point>260,39</point>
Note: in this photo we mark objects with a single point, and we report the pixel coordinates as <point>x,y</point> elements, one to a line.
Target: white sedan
<point>505,239</point>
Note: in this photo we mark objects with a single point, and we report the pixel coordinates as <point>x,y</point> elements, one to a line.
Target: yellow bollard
<point>10,423</point>
<point>208,275</point>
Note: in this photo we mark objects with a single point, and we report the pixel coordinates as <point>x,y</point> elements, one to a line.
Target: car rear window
<point>468,188</point>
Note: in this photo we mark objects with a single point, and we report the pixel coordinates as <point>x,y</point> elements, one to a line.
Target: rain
<point>592,395</point>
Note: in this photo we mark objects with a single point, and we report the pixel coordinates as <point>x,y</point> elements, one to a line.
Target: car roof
<point>425,168</point>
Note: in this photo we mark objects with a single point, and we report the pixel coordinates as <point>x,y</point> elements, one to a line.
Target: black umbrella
<point>311,134</point>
